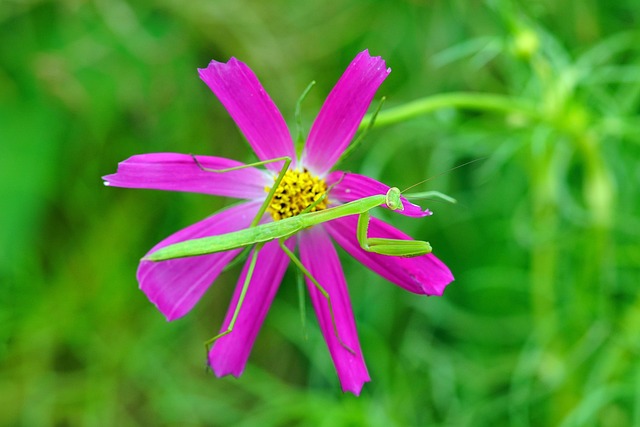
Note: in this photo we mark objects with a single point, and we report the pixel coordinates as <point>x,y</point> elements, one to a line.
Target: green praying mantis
<point>259,234</point>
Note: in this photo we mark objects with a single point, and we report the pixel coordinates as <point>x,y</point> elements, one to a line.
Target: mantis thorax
<point>298,190</point>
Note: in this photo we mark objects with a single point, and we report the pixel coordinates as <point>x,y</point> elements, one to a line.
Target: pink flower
<point>175,286</point>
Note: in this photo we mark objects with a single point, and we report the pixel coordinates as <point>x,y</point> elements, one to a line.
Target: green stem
<point>466,100</point>
<point>544,252</point>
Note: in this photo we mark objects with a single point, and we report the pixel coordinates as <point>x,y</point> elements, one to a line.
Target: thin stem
<point>301,303</point>
<point>471,101</point>
<point>371,119</point>
<point>298,115</point>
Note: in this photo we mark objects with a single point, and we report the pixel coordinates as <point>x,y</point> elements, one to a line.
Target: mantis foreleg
<point>322,290</point>
<point>393,247</point>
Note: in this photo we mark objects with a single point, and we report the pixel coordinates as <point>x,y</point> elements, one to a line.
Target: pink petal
<point>239,90</point>
<point>343,111</point>
<point>229,354</point>
<point>319,256</point>
<point>176,285</point>
<point>351,186</point>
<point>425,274</point>
<point>179,172</point>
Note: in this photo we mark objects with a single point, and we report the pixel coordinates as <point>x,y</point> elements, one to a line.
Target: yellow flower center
<point>297,191</point>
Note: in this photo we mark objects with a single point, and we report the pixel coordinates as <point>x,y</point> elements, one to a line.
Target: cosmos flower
<point>176,285</point>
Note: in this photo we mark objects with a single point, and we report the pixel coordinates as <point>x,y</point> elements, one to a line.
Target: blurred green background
<point>541,326</point>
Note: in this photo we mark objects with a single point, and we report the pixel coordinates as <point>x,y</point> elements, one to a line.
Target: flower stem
<point>466,100</point>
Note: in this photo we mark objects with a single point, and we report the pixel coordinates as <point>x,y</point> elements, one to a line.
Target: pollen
<point>298,190</point>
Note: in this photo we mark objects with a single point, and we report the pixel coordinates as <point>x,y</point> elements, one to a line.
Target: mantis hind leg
<point>391,247</point>
<point>243,293</point>
<point>320,288</point>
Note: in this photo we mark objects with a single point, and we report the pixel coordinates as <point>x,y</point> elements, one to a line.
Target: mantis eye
<point>393,201</point>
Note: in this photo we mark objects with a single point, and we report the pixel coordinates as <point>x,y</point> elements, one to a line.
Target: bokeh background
<point>541,326</point>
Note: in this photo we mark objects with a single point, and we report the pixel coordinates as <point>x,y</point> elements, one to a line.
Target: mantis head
<point>393,201</point>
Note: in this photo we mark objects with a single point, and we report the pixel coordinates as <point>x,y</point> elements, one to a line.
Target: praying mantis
<point>259,234</point>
